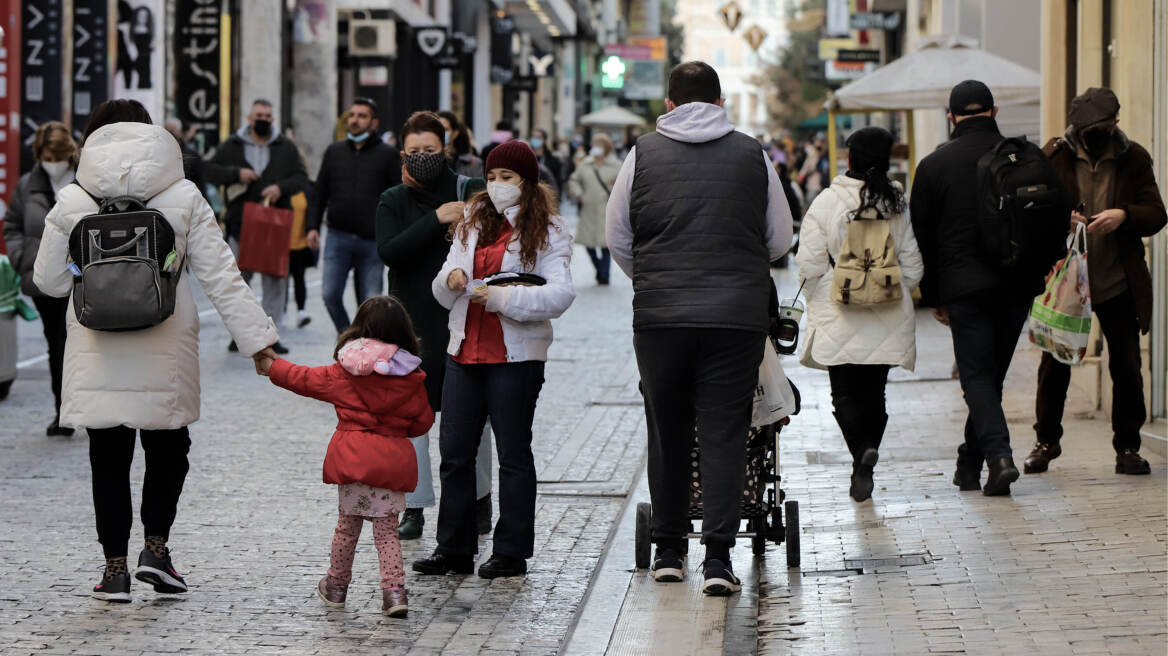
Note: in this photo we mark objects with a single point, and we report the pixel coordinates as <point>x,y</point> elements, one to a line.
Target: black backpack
<point>124,264</point>
<point>1024,211</point>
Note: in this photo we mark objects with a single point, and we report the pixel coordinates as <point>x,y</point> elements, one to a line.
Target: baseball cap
<point>970,97</point>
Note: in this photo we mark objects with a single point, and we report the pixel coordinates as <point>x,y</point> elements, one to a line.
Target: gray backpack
<point>125,267</point>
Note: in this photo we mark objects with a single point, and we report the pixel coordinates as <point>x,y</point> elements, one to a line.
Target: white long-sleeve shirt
<point>691,123</point>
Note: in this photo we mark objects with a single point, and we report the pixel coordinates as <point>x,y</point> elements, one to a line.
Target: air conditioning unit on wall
<point>372,37</point>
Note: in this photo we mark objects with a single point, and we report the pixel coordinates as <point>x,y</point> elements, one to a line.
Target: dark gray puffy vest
<point>698,214</point>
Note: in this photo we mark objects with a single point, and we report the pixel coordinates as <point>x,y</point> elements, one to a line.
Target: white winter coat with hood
<point>147,379</point>
<point>840,334</point>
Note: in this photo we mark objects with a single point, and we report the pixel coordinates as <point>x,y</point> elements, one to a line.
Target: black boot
<point>411,525</point>
<point>862,475</point>
<point>1002,473</point>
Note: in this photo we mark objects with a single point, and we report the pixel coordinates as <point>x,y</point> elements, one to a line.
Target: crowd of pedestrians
<point>476,259</point>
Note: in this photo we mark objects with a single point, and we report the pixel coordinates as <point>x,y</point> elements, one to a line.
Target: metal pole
<point>832,151</point>
<point>912,146</point>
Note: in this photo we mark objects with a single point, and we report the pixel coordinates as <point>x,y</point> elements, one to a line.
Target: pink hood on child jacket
<point>362,357</point>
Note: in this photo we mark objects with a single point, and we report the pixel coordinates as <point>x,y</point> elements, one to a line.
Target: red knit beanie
<point>517,156</point>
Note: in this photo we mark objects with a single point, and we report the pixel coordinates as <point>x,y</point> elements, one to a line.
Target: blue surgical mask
<point>357,138</point>
<point>536,142</point>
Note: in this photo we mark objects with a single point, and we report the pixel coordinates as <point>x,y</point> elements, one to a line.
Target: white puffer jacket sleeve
<point>212,263</point>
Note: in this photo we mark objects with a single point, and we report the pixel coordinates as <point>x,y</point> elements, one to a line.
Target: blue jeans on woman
<point>506,394</point>
<point>345,252</point>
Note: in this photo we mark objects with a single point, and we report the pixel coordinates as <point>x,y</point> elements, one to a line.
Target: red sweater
<point>375,414</point>
<point>483,343</point>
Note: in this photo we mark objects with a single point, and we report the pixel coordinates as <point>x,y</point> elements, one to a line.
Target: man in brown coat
<point>1112,187</point>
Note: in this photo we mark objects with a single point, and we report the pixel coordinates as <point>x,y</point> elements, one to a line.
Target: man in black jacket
<point>353,174</point>
<point>695,217</point>
<point>257,165</point>
<point>983,305</point>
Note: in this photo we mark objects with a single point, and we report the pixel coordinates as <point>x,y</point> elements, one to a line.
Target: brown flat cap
<point>1095,105</point>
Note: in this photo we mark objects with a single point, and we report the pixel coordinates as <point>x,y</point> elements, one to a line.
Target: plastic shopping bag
<point>774,398</point>
<point>1060,319</point>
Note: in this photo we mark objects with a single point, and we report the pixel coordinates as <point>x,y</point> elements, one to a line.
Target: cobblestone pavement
<point>1073,562</point>
<point>255,522</point>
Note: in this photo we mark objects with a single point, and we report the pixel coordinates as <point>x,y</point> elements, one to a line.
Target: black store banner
<point>90,61</point>
<point>196,52</point>
<point>40,88</point>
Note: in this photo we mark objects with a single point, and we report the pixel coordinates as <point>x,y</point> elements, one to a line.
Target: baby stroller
<point>764,501</point>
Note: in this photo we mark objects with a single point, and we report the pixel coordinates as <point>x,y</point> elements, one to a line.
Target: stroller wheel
<point>775,531</point>
<point>758,542</point>
<point>792,533</point>
<point>643,543</point>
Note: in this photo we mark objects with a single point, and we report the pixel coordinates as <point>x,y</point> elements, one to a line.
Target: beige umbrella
<point>612,116</point>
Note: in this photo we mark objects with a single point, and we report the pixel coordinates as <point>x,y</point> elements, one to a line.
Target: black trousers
<point>298,263</point>
<point>704,377</point>
<point>857,393</point>
<point>985,331</point>
<point>53,312</point>
<point>507,394</point>
<point>1121,329</point>
<point>111,451</point>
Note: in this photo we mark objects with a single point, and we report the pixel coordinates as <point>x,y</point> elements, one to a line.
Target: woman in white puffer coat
<point>117,383</point>
<point>858,345</point>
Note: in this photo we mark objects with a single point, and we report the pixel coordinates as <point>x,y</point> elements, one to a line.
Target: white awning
<point>612,115</point>
<point>923,80</point>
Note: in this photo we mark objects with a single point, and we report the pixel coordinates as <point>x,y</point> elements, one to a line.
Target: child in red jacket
<point>381,401</point>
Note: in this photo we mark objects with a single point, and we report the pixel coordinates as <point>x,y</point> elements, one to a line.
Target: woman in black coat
<point>413,221</point>
<point>35,194</point>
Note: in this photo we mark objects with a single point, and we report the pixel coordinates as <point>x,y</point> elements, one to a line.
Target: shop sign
<point>40,67</point>
<point>90,61</point>
<point>141,63</point>
<point>829,48</point>
<point>875,21</point>
<point>865,55</point>
<point>197,31</point>
<point>9,97</point>
<point>840,70</point>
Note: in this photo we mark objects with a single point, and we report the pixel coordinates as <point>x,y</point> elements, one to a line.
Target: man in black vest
<point>696,215</point>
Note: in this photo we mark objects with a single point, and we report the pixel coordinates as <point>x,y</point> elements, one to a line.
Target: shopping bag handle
<point>1077,240</point>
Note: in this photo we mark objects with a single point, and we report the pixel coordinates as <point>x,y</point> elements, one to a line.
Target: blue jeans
<point>506,394</point>
<point>345,252</point>
<point>423,495</point>
<point>601,260</point>
<point>985,331</point>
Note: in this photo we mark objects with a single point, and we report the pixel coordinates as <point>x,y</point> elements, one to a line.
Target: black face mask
<point>262,128</point>
<point>425,167</point>
<point>1095,142</point>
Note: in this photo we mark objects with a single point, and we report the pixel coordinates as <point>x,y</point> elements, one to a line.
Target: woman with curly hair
<point>507,276</point>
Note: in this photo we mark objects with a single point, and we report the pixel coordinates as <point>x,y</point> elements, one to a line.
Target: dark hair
<point>869,154</point>
<point>694,81</point>
<point>462,141</point>
<point>537,205</point>
<point>262,101</point>
<point>118,110</point>
<point>421,123</point>
<point>368,102</point>
<point>385,319</point>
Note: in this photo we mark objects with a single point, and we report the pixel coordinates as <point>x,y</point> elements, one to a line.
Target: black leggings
<point>857,393</point>
<point>111,451</point>
<point>53,311</point>
<point>298,263</point>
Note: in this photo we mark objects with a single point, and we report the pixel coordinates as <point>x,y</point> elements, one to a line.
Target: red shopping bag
<point>264,238</point>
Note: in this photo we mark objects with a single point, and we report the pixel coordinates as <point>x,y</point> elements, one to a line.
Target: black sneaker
<point>720,579</point>
<point>668,566</point>
<point>280,349</point>
<point>159,572</point>
<point>115,589</point>
<point>1129,461</point>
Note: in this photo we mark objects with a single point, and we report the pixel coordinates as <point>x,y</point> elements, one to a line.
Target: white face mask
<point>503,195</point>
<point>596,151</point>
<point>56,170</point>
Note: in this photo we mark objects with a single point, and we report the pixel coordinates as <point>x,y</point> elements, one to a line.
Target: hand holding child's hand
<point>263,361</point>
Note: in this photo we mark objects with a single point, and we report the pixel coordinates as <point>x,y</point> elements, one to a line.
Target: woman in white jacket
<point>499,338</point>
<point>118,383</point>
<point>859,344</point>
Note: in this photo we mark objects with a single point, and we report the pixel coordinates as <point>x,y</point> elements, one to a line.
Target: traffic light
<point>613,69</point>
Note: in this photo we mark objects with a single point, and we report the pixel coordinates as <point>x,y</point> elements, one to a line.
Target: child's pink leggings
<point>389,557</point>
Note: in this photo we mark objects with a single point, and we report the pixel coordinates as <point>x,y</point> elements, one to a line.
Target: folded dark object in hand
<point>507,278</point>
